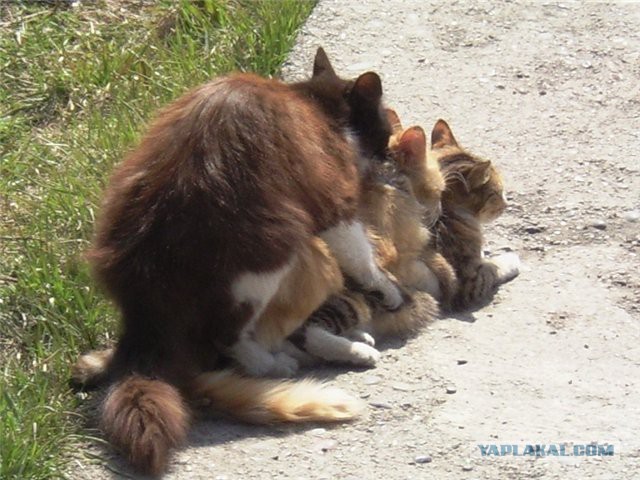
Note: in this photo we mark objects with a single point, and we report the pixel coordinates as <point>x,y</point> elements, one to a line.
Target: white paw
<point>284,365</point>
<point>363,354</point>
<point>508,266</point>
<point>362,336</point>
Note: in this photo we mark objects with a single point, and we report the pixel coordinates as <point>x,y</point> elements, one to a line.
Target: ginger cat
<point>201,223</point>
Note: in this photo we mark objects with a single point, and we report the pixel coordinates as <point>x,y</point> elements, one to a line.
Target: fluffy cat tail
<point>267,401</point>
<point>145,419</point>
<point>406,322</point>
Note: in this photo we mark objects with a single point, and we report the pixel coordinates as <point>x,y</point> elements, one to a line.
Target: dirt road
<point>550,92</point>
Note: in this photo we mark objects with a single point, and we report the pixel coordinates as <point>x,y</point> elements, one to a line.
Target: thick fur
<point>266,401</point>
<point>474,195</point>
<point>145,419</point>
<point>399,200</point>
<point>202,220</point>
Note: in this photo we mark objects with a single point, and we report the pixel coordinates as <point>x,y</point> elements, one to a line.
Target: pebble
<point>380,405</point>
<point>402,387</point>
<point>462,362</point>
<point>632,216</point>
<point>422,459</point>
<point>326,445</point>
<point>467,468</point>
<point>599,224</point>
<point>318,431</point>
<point>371,380</point>
<point>533,229</point>
<point>451,389</point>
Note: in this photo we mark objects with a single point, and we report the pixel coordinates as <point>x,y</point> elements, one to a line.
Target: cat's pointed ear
<point>394,120</point>
<point>413,143</point>
<point>368,86</point>
<point>442,136</point>
<point>479,174</point>
<point>321,63</point>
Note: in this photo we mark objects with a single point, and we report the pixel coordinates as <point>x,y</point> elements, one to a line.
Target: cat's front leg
<point>350,246</point>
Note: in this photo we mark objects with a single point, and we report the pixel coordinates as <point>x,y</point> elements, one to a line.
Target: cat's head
<point>472,183</point>
<point>355,106</point>
<point>408,149</point>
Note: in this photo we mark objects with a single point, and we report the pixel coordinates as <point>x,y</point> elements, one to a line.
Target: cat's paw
<point>363,355</point>
<point>508,265</point>
<point>389,295</point>
<point>362,336</point>
<point>284,365</point>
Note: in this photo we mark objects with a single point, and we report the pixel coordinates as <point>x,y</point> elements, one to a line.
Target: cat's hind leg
<point>254,291</point>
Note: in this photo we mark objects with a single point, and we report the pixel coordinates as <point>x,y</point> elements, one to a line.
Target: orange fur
<point>314,277</point>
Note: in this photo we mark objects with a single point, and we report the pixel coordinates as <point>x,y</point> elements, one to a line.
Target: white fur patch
<point>508,266</point>
<point>333,348</point>
<point>350,246</point>
<point>257,289</point>
<point>422,278</point>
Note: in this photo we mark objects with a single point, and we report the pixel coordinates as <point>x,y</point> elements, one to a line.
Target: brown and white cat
<point>474,195</point>
<point>200,225</point>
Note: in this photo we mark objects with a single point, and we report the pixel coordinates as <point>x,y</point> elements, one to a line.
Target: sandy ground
<point>550,92</point>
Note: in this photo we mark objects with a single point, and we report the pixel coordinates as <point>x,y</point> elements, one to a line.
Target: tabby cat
<point>474,195</point>
<point>200,225</point>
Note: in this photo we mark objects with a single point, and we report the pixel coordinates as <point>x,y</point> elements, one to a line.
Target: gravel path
<point>550,92</point>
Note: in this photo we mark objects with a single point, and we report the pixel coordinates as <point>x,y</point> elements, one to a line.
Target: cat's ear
<point>394,120</point>
<point>479,174</point>
<point>368,86</point>
<point>442,136</point>
<point>413,143</point>
<point>321,63</point>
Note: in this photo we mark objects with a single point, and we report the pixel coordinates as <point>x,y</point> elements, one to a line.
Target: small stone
<point>384,405</point>
<point>371,380</point>
<point>467,468</point>
<point>422,459</point>
<point>542,93</point>
<point>402,387</point>
<point>318,431</point>
<point>599,224</point>
<point>451,389</point>
<point>326,445</point>
<point>586,346</point>
<point>500,87</point>
<point>632,216</point>
<point>422,60</point>
<point>462,362</point>
<point>533,229</point>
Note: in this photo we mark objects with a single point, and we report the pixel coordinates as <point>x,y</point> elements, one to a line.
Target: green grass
<point>76,88</point>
